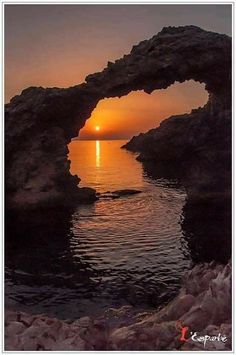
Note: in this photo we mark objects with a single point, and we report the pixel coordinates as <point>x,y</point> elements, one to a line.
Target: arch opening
<point>122,118</point>
<point>173,55</point>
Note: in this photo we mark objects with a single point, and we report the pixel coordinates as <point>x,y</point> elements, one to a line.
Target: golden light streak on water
<point>98,153</point>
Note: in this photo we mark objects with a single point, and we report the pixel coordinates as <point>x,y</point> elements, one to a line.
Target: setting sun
<point>97,128</point>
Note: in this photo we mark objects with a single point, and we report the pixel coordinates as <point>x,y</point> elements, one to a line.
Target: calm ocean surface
<point>129,250</point>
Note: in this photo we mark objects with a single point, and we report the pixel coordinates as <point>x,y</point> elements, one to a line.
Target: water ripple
<point>114,252</point>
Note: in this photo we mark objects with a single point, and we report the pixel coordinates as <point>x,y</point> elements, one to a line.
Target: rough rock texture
<point>194,147</point>
<point>203,305</point>
<point>41,122</point>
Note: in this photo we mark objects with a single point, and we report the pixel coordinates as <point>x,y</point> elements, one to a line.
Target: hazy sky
<point>58,45</point>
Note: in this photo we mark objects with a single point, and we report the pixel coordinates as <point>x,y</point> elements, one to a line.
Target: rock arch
<point>40,122</point>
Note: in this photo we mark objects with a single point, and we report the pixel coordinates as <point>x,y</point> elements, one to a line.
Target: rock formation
<point>203,306</point>
<point>40,122</point>
<point>194,147</point>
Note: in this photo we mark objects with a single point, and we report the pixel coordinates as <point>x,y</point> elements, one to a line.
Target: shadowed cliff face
<point>196,148</point>
<point>40,122</point>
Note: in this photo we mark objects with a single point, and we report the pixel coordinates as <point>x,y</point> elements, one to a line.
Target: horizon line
<point>99,139</point>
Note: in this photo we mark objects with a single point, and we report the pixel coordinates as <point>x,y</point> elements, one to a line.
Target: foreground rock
<point>40,123</point>
<point>203,305</point>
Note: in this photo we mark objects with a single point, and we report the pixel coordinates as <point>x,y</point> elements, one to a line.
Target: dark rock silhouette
<point>195,148</point>
<point>87,195</point>
<point>40,122</point>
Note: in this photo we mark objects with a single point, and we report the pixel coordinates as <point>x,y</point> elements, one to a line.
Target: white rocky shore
<point>203,306</point>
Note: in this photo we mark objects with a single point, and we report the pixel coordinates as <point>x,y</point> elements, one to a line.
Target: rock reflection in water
<point>207,230</point>
<point>206,225</point>
<point>131,250</point>
<point>35,241</point>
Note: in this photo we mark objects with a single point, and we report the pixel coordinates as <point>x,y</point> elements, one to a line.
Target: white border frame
<point>2,216</point>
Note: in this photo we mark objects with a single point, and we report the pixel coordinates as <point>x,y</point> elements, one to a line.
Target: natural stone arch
<point>115,116</point>
<point>41,122</point>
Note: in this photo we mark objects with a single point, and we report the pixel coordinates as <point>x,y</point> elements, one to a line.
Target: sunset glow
<point>121,118</point>
<point>116,118</point>
<point>117,176</point>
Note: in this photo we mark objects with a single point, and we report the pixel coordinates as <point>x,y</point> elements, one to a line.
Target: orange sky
<point>138,111</point>
<point>58,45</point>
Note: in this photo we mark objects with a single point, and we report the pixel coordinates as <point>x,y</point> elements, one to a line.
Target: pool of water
<point>131,250</point>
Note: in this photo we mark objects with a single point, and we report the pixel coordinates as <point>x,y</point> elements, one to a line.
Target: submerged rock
<point>126,192</point>
<point>117,193</point>
<point>108,195</point>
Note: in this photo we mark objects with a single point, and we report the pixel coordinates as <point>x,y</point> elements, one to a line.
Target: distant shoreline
<point>99,139</point>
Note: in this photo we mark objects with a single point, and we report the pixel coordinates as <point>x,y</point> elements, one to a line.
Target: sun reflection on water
<point>102,165</point>
<point>98,153</point>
